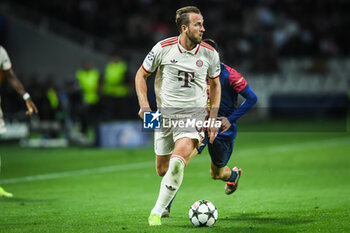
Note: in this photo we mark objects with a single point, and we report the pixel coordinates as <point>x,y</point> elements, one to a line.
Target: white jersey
<point>5,63</point>
<point>182,74</point>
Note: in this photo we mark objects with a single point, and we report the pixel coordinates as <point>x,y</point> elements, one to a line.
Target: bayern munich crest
<point>199,63</point>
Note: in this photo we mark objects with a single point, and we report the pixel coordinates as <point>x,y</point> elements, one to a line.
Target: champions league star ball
<point>203,213</point>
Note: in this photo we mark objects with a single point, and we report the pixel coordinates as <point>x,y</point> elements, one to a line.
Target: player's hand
<point>142,110</point>
<point>31,107</point>
<point>212,130</point>
<point>225,124</point>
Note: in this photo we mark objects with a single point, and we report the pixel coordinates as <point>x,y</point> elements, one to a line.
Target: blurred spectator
<point>348,96</point>
<point>114,78</point>
<point>284,31</point>
<point>72,99</point>
<point>114,89</point>
<point>296,27</point>
<point>138,30</point>
<point>89,80</point>
<point>50,103</point>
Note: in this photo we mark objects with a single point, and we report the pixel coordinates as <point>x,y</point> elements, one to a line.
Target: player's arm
<point>149,65</point>
<point>214,71</point>
<point>141,90</point>
<point>250,100</point>
<point>17,85</point>
<point>215,96</point>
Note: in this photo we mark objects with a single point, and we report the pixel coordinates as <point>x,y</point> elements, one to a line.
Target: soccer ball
<point>203,213</point>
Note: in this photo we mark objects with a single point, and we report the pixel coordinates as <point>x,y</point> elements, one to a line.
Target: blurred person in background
<point>6,67</point>
<point>114,88</point>
<point>89,79</point>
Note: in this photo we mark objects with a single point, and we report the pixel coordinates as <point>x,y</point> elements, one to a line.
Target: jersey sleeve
<point>153,59</point>
<point>5,63</point>
<point>214,67</point>
<point>237,82</point>
<point>250,101</point>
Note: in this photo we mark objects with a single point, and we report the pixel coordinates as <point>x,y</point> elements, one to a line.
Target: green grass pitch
<point>292,182</point>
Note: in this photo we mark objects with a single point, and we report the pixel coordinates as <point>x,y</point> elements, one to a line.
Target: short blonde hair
<point>182,17</point>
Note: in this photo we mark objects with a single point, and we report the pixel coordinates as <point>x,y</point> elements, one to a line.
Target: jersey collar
<point>183,50</point>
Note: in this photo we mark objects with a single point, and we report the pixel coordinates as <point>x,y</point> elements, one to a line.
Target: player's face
<point>195,28</point>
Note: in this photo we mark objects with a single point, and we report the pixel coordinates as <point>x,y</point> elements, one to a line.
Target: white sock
<point>171,182</point>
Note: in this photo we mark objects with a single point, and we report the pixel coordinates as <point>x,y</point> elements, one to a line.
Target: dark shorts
<point>220,151</point>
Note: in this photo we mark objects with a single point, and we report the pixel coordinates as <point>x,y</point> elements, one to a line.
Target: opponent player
<point>184,64</point>
<point>232,84</point>
<point>6,67</point>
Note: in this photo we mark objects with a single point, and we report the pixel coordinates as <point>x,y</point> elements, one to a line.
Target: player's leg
<point>200,147</point>
<point>163,148</point>
<point>220,152</point>
<point>172,180</point>
<point>197,150</point>
<point>194,152</point>
<point>232,183</point>
<point>222,173</point>
<point>162,164</point>
<point>3,193</point>
<point>184,147</point>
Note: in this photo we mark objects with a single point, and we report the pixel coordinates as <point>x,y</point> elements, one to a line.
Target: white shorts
<point>164,140</point>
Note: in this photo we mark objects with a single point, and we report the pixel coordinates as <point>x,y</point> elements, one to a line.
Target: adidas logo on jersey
<point>173,61</point>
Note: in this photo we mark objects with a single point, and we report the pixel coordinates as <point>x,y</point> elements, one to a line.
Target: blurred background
<point>294,54</point>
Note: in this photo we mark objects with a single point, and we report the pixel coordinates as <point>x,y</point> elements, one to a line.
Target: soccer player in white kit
<point>6,67</point>
<point>184,63</point>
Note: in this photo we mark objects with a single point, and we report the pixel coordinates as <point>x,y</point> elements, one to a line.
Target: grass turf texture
<point>292,182</point>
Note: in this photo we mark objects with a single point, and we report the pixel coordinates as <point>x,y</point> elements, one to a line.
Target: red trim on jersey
<point>167,41</point>
<point>237,85</point>
<point>206,45</point>
<point>236,80</point>
<point>179,48</point>
<point>170,40</point>
<point>170,43</point>
<point>145,69</point>
<point>196,50</point>
<point>214,77</point>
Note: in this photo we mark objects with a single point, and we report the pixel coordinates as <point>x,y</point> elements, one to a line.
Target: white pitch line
<point>301,146</point>
<point>77,172</point>
<point>271,150</point>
